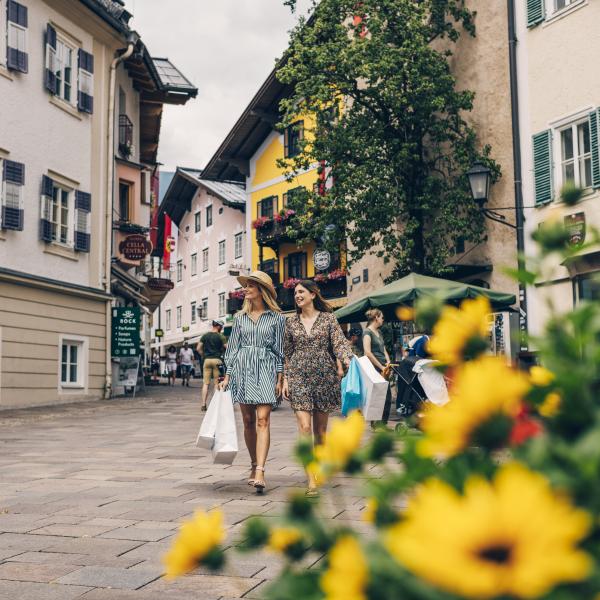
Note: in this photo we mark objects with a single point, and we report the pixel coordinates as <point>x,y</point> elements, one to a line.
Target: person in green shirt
<point>211,347</point>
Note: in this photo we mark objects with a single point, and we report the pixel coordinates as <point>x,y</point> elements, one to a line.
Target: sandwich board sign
<point>125,331</point>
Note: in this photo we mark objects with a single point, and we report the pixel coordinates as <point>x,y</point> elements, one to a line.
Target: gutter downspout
<point>516,130</point>
<point>110,165</point>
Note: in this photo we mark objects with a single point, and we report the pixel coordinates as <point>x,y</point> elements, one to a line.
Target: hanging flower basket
<point>261,222</point>
<point>237,295</point>
<point>320,278</point>
<point>291,283</point>
<point>336,274</point>
<point>284,215</point>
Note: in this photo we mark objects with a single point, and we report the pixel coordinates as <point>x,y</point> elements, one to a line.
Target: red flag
<point>169,243</point>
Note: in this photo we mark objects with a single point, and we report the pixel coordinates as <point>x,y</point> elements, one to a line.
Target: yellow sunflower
<point>482,389</point>
<point>196,539</point>
<point>513,537</point>
<point>461,332</point>
<point>551,405</point>
<point>540,376</point>
<point>348,573</point>
<point>283,537</point>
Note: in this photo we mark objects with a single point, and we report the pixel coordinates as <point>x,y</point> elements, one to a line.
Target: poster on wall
<point>126,374</point>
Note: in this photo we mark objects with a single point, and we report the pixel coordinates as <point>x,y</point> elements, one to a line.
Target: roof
<point>177,200</point>
<point>111,12</point>
<point>171,77</point>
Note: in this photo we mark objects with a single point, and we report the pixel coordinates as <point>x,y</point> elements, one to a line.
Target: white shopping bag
<point>206,435</point>
<point>432,381</point>
<point>375,388</point>
<point>226,445</point>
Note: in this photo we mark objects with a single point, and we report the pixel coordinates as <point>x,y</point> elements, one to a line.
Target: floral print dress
<point>310,365</point>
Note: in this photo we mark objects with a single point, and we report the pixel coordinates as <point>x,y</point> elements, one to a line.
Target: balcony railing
<point>125,136</point>
<point>273,233</point>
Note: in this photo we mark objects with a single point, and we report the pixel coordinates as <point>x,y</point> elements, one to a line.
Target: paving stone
<point>75,531</point>
<point>94,546</point>
<point>138,533</point>
<point>206,586</point>
<point>109,577</point>
<point>18,590</point>
<point>34,572</point>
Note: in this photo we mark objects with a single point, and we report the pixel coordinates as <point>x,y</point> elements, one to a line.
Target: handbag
<point>208,428</point>
<point>352,396</point>
<point>225,448</point>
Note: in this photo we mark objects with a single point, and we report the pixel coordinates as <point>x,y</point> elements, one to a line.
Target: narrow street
<point>92,494</point>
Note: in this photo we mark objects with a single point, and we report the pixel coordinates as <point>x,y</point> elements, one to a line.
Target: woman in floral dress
<point>313,344</point>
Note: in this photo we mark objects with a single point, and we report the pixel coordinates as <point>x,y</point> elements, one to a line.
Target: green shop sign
<point>125,331</point>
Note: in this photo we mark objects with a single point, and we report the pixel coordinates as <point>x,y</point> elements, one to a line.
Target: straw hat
<point>258,277</point>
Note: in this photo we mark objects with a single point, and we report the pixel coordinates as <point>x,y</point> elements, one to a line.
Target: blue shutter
<point>16,59</point>
<point>535,12</point>
<point>542,166</point>
<point>12,212</point>
<point>46,209</point>
<point>83,206</point>
<point>85,100</point>
<point>594,126</point>
<point>50,80</point>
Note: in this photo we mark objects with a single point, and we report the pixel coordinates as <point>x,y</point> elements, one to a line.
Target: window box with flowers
<point>333,284</point>
<point>265,229</point>
<point>235,301</point>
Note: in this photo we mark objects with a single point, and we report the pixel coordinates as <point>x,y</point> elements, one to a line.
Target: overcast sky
<point>226,48</point>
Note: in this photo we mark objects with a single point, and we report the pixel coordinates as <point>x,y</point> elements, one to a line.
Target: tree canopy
<point>387,127</point>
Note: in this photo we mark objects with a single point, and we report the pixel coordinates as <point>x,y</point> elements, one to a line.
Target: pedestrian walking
<point>186,358</point>
<point>355,339</point>
<point>155,366</point>
<point>376,351</point>
<point>314,348</point>
<point>211,346</point>
<point>254,367</point>
<point>171,364</point>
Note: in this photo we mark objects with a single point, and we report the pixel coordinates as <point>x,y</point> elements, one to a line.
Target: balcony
<point>330,289</point>
<point>234,303</point>
<point>273,232</point>
<point>125,136</point>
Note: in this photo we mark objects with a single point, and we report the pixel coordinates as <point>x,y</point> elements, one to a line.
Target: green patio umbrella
<point>405,291</point>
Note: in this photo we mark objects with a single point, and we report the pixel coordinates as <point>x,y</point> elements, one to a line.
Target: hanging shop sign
<point>125,331</point>
<point>160,284</point>
<point>135,247</point>
<point>575,226</point>
<point>322,260</point>
<point>159,333</point>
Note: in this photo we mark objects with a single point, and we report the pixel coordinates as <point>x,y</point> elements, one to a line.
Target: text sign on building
<point>125,331</point>
<point>321,260</point>
<point>575,226</point>
<point>135,247</point>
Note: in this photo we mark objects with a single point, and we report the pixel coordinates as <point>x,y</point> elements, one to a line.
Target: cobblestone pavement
<point>91,496</point>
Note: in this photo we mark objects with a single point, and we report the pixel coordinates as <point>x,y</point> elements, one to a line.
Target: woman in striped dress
<point>254,367</point>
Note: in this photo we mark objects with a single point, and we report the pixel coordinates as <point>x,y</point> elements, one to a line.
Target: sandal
<point>252,468</point>
<point>204,408</point>
<point>259,486</point>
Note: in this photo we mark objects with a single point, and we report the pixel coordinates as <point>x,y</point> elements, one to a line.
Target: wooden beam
<point>270,117</point>
<point>241,164</point>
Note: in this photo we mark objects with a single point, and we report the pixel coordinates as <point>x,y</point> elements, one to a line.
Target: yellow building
<point>249,154</point>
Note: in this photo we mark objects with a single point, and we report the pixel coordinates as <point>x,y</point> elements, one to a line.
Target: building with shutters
<point>559,111</point>
<point>56,199</point>
<point>210,250</point>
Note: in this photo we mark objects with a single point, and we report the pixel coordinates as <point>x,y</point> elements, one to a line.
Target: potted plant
<point>235,301</point>
<point>261,223</point>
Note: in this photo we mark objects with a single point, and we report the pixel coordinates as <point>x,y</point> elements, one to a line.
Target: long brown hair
<point>269,300</point>
<point>320,303</point>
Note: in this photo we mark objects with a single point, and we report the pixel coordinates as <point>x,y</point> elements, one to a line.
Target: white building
<point>210,248</point>
<point>559,112</point>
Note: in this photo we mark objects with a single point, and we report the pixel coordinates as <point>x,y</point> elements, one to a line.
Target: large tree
<point>396,145</point>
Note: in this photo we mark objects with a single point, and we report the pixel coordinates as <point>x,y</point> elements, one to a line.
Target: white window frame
<point>74,83</point>
<point>57,225</point>
<point>179,267</point>
<point>20,43</point>
<point>3,33</point>
<point>204,307</point>
<point>205,260</point>
<point>209,210</point>
<point>222,304</point>
<point>238,242</point>
<point>168,319</point>
<point>193,312</point>
<point>558,130</point>
<point>178,316</point>
<point>194,264</point>
<point>222,252</point>
<point>198,221</point>
<point>82,345</point>
<point>552,10</point>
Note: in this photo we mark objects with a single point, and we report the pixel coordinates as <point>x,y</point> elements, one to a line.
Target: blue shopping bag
<point>352,397</point>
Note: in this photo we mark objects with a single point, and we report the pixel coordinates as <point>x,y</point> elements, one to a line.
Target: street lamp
<point>479,180</point>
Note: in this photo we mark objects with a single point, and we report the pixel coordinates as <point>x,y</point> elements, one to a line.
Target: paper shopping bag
<point>206,435</point>
<point>374,389</point>
<point>351,389</point>
<point>225,447</point>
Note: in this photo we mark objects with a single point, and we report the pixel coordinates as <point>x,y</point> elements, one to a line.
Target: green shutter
<point>535,12</point>
<point>594,125</point>
<point>542,166</point>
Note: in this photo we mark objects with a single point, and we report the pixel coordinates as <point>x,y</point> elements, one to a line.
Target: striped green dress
<point>254,356</point>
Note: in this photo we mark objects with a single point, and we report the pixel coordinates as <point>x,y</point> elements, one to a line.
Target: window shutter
<point>535,12</point>
<point>46,209</point>
<point>85,100</point>
<point>83,206</point>
<point>286,142</point>
<point>542,166</point>
<point>17,58</point>
<point>594,126</point>
<point>12,201</point>
<point>50,71</point>
<point>284,199</point>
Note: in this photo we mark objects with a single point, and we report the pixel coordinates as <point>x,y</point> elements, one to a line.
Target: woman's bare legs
<point>263,439</point>
<point>249,418</point>
<point>320,420</point>
<point>304,419</point>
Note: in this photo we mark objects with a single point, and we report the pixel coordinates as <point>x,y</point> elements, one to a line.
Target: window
<point>576,154</point>
<point>194,264</point>
<point>222,252</point>
<point>239,245</point>
<point>179,272</point>
<point>205,259</point>
<point>71,364</point>
<point>295,265</point>
<point>365,275</point>
<point>209,215</point>
<point>12,180</point>
<point>178,313</point>
<point>193,312</point>
<point>124,200</point>
<point>197,221</point>
<point>59,215</point>
<point>292,138</point>
<point>168,319</point>
<point>560,4</point>
<point>16,36</point>
<point>588,288</point>
<point>267,207</point>
<point>63,69</point>
<point>222,305</point>
<point>204,308</point>
<point>293,195</point>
